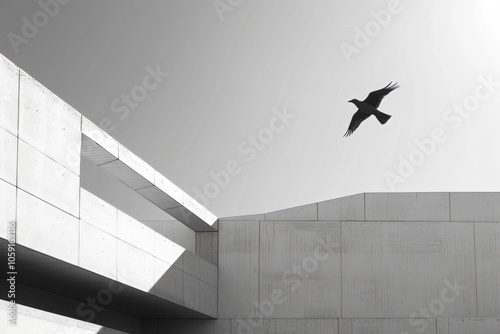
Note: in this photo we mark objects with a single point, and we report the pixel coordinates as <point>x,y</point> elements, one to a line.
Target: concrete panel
<point>345,208</point>
<point>191,291</point>
<point>135,233</point>
<point>97,250</point>
<point>304,212</point>
<point>8,154</point>
<point>169,281</point>
<point>488,269</point>
<point>442,326</point>
<point>194,326</point>
<point>284,326</point>
<point>168,251</point>
<point>272,326</point>
<point>469,326</point>
<point>190,264</point>
<point>407,206</point>
<point>9,94</point>
<point>300,269</point>
<point>134,267</point>
<point>208,273</point>
<point>8,211</point>
<point>345,326</point>
<point>100,138</point>
<point>238,268</point>
<point>392,270</point>
<point>208,299</point>
<point>49,124</point>
<point>385,326</point>
<point>97,212</point>
<point>46,179</point>
<point>475,206</point>
<point>46,229</point>
<point>207,246</point>
<point>175,231</point>
<point>321,326</point>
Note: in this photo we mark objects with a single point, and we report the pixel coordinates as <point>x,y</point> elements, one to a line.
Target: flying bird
<point>369,107</point>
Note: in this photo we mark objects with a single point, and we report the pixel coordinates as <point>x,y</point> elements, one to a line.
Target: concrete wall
<point>368,263</point>
<point>117,246</point>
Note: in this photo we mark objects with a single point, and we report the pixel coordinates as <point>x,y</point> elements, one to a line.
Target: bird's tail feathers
<point>382,118</point>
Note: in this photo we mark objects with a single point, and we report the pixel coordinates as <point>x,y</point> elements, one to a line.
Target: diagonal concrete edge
<point>100,148</point>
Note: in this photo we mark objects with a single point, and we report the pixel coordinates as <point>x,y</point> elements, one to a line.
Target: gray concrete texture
<point>377,262</point>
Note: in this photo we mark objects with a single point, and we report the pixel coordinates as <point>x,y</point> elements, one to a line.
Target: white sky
<point>227,76</point>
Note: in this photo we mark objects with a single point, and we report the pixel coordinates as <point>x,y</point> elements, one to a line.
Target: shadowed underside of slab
<point>107,153</point>
<point>54,276</point>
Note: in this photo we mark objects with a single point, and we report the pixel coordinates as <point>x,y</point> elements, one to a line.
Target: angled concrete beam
<point>97,145</point>
<point>129,169</point>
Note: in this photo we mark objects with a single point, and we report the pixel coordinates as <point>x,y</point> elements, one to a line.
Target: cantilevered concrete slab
<point>49,276</point>
<point>129,169</point>
<point>60,253</point>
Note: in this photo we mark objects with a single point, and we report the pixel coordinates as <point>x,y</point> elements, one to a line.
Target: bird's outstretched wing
<point>356,120</point>
<point>375,97</point>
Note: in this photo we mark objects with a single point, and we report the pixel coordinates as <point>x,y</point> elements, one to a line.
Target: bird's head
<point>353,101</point>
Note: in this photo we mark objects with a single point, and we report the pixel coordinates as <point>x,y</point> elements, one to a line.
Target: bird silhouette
<point>369,107</point>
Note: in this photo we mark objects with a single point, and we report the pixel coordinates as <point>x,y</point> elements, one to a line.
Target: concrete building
<point>367,263</point>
